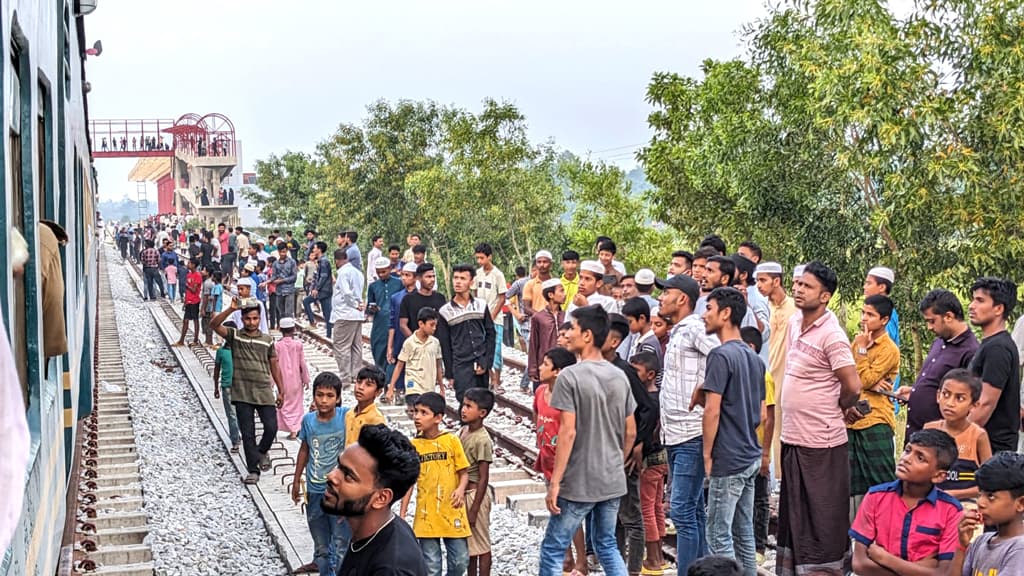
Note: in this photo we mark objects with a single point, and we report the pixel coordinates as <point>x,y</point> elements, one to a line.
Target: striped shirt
<point>251,381</point>
<point>685,361</point>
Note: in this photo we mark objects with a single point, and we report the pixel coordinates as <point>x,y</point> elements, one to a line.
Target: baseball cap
<point>681,282</point>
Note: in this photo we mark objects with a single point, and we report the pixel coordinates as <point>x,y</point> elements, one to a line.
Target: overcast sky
<point>287,73</point>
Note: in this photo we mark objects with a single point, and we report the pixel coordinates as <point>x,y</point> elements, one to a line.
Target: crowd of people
<point>697,395</point>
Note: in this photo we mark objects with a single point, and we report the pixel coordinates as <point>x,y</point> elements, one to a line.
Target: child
<point>477,403</point>
<point>547,419</point>
<point>419,360</point>
<point>752,337</point>
<point>958,395</point>
<point>911,503</point>
<point>1001,506</point>
<point>563,332</point>
<point>206,307</point>
<point>292,361</point>
<point>440,489</point>
<point>193,283</point>
<point>260,278</point>
<point>661,327</point>
<point>182,275</point>
<point>223,368</point>
<point>325,429</point>
<point>369,385</point>
<point>171,272</point>
<point>654,470</point>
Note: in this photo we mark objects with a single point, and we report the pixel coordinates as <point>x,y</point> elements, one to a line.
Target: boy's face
<point>919,465</point>
<point>365,390</point>
<point>605,257</point>
<point>471,412</point>
<point>871,320</point>
<point>429,327</point>
<point>425,419</point>
<point>1000,507</point>
<point>636,325</point>
<point>326,400</point>
<point>482,259</point>
<point>646,376</point>
<point>659,326</point>
<point>547,371</point>
<point>563,339</point>
<point>954,399</point>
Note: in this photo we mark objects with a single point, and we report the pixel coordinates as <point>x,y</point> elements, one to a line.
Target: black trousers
<point>247,426</point>
<point>466,377</point>
<point>761,512</point>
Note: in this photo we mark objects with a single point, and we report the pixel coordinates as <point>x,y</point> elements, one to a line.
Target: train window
<point>66,62</point>
<point>44,158</point>
<point>16,198</point>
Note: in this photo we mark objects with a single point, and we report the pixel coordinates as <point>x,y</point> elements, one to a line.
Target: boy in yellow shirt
<point>369,385</point>
<point>440,490</point>
<point>752,337</point>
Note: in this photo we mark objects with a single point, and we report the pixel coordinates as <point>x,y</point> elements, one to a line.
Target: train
<point>49,181</point>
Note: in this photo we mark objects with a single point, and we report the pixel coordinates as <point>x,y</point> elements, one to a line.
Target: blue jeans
<point>456,552</point>
<point>499,336</point>
<point>686,509</point>
<point>172,287</point>
<point>229,411</point>
<point>325,307</point>
<point>331,535</point>
<point>731,517</point>
<point>562,527</point>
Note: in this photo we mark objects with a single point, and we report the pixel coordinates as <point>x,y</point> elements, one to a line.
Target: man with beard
<point>371,475</point>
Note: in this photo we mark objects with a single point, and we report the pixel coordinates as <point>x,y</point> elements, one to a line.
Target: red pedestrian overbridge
<point>191,135</point>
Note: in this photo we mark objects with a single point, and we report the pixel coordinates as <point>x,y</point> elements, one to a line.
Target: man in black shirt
<point>426,278</point>
<point>996,362</point>
<point>371,475</point>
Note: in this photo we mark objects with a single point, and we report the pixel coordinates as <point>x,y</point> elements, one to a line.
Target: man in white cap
<point>533,300</point>
<point>544,328</point>
<point>769,283</point>
<point>591,281</point>
<point>396,338</point>
<point>378,307</point>
<point>245,293</point>
<point>879,280</point>
<point>645,286</point>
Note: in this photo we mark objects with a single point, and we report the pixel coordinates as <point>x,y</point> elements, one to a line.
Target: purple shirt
<point>944,356</point>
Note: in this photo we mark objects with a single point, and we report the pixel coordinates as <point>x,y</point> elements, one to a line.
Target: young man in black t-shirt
<point>996,362</point>
<point>372,475</point>
<point>425,295</point>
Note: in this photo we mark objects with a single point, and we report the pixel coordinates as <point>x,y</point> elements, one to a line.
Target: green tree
<point>290,182</point>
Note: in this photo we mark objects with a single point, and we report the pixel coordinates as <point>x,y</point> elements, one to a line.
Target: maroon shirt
<point>543,337</point>
<point>945,355</point>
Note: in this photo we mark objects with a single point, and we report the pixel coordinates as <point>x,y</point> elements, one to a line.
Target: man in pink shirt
<point>819,392</point>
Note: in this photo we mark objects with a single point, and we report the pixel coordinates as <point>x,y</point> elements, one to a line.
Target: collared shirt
<point>943,356</point>
<point>778,341</point>
<point>543,337</point>
<point>928,530</point>
<point>348,289</point>
<point>251,380</point>
<point>488,286</point>
<point>810,398</point>
<point>355,420</point>
<point>150,258</point>
<point>286,270</point>
<point>685,361</point>
<point>371,258</point>
<point>880,361</point>
<point>466,334</point>
<point>571,287</point>
<point>380,293</point>
<point>355,258</point>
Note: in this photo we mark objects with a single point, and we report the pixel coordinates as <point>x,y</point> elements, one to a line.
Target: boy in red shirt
<point>546,418</point>
<point>193,284</point>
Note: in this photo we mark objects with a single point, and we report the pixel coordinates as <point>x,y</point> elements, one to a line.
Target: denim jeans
<point>686,507</point>
<point>456,552</point>
<point>229,411</point>
<point>153,282</point>
<point>562,527</point>
<point>731,517</point>
<point>331,535</point>
<point>172,288</point>
<point>325,308</point>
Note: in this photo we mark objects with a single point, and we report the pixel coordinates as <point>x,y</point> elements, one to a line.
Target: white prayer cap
<point>644,277</point>
<point>410,267</point>
<point>245,282</point>
<point>592,266</point>
<point>285,323</point>
<point>543,254</point>
<point>798,271</point>
<point>382,262</point>
<point>883,273</point>
<point>768,268</point>
<point>550,283</point>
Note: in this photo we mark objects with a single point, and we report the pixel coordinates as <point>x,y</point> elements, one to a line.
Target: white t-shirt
<point>488,286</point>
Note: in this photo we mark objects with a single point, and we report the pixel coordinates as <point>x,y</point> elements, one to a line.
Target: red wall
<point>165,194</point>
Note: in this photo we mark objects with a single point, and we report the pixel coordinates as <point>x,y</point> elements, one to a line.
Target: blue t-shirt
<point>325,440</point>
<point>216,294</point>
<point>735,372</point>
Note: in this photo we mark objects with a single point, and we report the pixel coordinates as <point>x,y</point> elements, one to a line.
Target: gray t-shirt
<point>599,395</point>
<point>735,372</point>
<point>1001,557</point>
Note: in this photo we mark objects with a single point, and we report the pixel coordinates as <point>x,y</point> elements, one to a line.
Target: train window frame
<point>44,147</point>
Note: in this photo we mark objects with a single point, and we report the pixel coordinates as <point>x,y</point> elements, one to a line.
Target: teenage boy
<point>638,312</point>
<point>958,395</point>
<point>489,284</point>
<point>570,275</point>
<point>1001,506</point>
<point>589,294</point>
<point>369,385</point>
<point>323,438</point>
<point>544,327</point>
<point>479,449</point>
<point>378,306</point>
<point>422,297</point>
<point>396,338</point>
<point>597,394</point>
<point>654,467</point>
<point>752,337</point>
<point>466,332</point>
<point>193,285</point>
<point>244,287</point>
<point>768,276</point>
<point>996,362</point>
<point>222,374</point>
<point>870,428</point>
<point>254,366</point>
<point>909,526</point>
<point>440,490</point>
<point>419,361</point>
<point>733,395</point>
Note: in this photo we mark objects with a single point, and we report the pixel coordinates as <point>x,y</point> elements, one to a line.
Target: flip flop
<point>648,572</point>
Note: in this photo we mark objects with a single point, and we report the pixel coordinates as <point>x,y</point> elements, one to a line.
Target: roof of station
<point>150,169</point>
